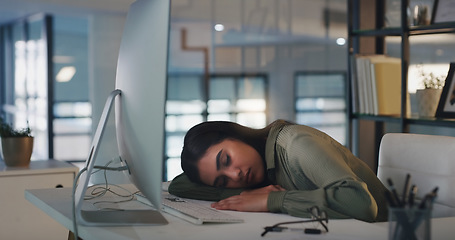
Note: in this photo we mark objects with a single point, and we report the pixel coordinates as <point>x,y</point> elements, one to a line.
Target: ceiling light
<point>341,41</point>
<point>65,74</point>
<point>219,27</point>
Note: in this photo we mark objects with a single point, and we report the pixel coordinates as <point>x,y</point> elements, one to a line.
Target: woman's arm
<point>182,186</point>
<point>327,165</point>
<point>297,202</point>
<point>343,199</point>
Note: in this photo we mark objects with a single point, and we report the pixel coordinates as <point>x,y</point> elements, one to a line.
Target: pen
<point>394,192</point>
<point>412,195</point>
<point>435,190</point>
<point>406,189</point>
<point>423,204</point>
<point>428,197</point>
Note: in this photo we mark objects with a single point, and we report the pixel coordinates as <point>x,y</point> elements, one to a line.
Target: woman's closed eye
<point>221,181</point>
<point>222,160</point>
<point>227,161</point>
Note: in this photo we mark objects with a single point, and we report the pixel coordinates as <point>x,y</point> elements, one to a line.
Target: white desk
<point>57,204</point>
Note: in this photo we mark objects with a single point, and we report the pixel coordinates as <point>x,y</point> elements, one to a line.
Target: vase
<point>17,151</point>
<point>428,100</point>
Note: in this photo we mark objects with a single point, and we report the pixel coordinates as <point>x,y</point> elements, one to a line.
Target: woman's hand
<point>248,201</point>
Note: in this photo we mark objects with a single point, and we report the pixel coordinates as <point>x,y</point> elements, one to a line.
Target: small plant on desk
<point>17,145</point>
<point>6,130</point>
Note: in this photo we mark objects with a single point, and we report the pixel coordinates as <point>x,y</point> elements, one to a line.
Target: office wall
<point>280,61</point>
<point>274,37</point>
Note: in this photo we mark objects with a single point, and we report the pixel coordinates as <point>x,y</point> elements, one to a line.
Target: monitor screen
<point>140,97</point>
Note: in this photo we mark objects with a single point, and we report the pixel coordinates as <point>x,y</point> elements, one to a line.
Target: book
<point>377,84</point>
<point>364,83</point>
<point>386,82</point>
<point>354,86</point>
<point>361,84</point>
<point>372,107</point>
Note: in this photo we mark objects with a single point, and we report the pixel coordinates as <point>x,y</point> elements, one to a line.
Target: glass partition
<point>26,80</point>
<point>321,103</point>
<point>232,97</point>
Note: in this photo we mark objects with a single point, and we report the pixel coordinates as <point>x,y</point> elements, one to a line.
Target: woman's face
<point>231,164</point>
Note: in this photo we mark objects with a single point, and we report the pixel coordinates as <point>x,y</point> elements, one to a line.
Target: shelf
<point>413,30</point>
<point>439,122</point>
<point>377,32</point>
<point>379,118</point>
<point>364,40</point>
<point>433,29</point>
<point>429,121</point>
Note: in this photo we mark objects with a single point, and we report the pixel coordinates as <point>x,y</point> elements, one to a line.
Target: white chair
<point>429,159</point>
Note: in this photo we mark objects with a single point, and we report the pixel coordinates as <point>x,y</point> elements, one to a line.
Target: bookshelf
<point>366,35</point>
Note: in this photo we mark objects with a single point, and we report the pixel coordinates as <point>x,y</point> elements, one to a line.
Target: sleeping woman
<point>283,168</point>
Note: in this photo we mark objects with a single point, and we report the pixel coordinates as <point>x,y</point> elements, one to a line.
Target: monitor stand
<point>117,217</point>
<point>124,217</point>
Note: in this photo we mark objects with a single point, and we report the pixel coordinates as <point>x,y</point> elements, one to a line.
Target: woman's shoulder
<point>285,135</point>
<point>283,128</point>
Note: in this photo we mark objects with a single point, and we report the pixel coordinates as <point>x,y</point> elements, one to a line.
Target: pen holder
<point>409,223</point>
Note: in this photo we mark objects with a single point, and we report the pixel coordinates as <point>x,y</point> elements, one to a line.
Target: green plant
<point>6,130</point>
<point>431,80</point>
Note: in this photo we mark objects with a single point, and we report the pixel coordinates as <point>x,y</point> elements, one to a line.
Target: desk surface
<point>38,167</point>
<point>57,204</point>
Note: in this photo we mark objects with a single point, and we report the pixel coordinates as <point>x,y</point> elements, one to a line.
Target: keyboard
<point>191,210</point>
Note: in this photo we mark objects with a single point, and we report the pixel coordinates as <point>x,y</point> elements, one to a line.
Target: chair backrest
<point>429,159</point>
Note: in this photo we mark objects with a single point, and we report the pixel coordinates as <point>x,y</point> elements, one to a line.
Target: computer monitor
<point>139,98</point>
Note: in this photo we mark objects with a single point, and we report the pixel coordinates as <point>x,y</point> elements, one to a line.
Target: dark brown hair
<point>204,135</point>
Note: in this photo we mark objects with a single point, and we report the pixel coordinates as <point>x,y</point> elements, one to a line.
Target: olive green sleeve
<point>297,202</point>
<point>182,186</point>
<point>338,190</point>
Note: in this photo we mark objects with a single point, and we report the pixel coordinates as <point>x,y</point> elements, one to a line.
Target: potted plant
<point>17,145</point>
<point>428,97</point>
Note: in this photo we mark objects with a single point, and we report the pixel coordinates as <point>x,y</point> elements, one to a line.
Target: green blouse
<point>315,170</point>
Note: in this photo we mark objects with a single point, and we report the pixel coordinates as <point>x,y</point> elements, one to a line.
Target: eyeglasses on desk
<point>317,216</point>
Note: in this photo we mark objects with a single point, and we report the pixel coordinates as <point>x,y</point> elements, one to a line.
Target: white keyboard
<point>192,210</point>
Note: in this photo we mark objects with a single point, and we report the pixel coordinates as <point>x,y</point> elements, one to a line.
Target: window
<point>191,100</point>
<point>72,109</point>
<point>321,103</point>
<point>44,83</point>
<point>25,79</point>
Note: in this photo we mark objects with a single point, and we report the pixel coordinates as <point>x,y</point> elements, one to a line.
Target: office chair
<point>429,159</point>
